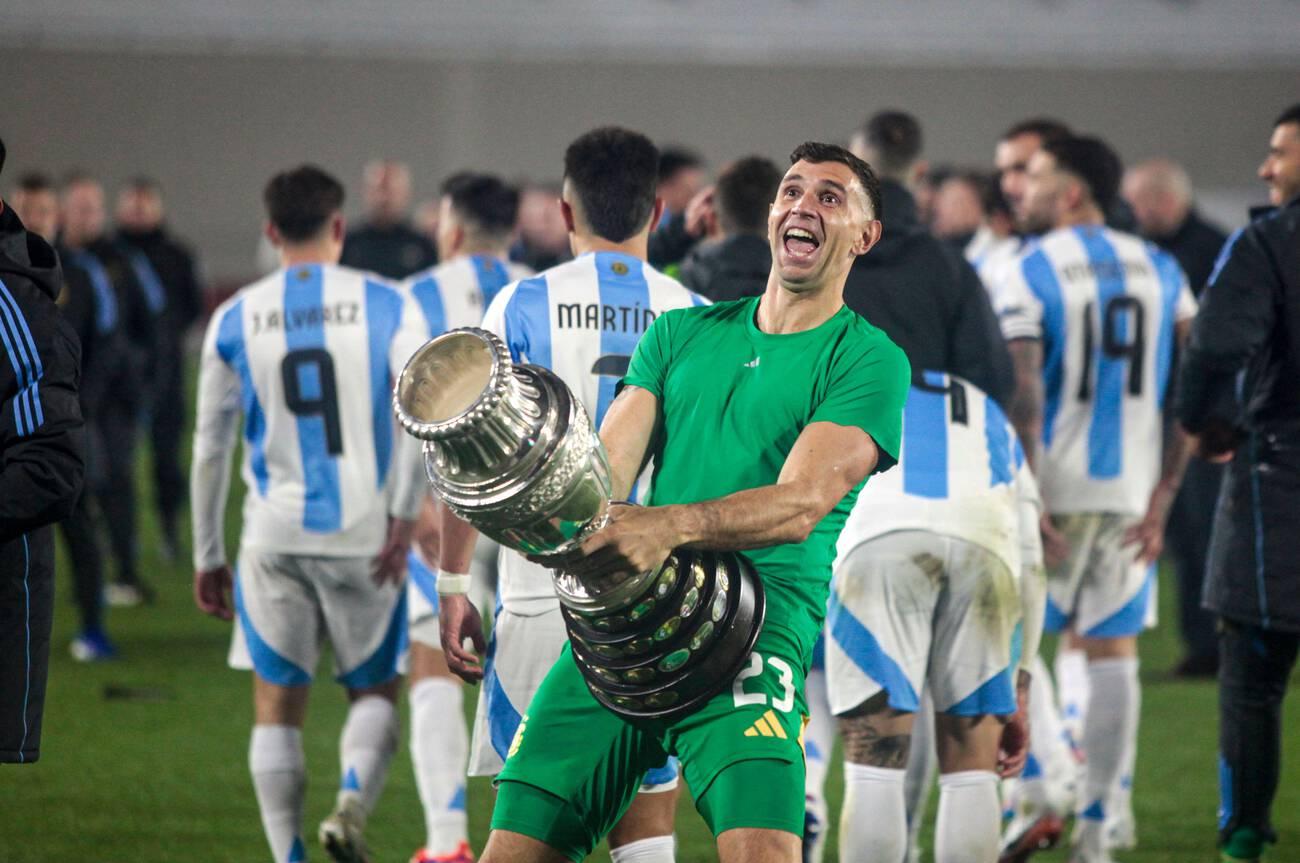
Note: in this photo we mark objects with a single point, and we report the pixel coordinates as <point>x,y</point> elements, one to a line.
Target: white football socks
<point>969,818</point>
<point>1072,688</point>
<point>922,765</point>
<point>275,759</point>
<point>1113,706</point>
<point>818,738</point>
<point>366,746</point>
<point>1049,777</point>
<point>656,849</point>
<point>873,820</point>
<point>439,750</point>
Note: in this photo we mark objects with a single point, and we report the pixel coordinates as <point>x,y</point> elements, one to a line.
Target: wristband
<point>453,583</point>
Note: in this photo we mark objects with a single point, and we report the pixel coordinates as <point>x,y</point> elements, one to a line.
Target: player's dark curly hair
<point>744,194</point>
<point>300,201</point>
<point>815,152</point>
<point>614,172</point>
<point>1047,129</point>
<point>1092,161</point>
<point>483,201</point>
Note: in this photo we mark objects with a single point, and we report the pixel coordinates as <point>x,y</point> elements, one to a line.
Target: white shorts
<point>1100,590</point>
<point>914,609</point>
<point>287,605</point>
<point>520,654</point>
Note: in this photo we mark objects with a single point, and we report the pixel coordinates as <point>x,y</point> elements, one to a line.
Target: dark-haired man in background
<point>40,471</point>
<point>914,287</point>
<point>1092,315</point>
<point>737,263</point>
<point>476,221</point>
<point>385,243</point>
<point>307,357</point>
<point>1238,394</point>
<point>168,268</point>
<point>796,400</point>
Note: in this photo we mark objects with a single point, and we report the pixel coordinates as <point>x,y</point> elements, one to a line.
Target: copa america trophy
<point>509,449</point>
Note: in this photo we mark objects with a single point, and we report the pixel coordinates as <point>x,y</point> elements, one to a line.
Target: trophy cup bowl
<point>508,448</point>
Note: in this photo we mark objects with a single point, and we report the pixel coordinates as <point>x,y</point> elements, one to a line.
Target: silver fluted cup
<point>509,449</point>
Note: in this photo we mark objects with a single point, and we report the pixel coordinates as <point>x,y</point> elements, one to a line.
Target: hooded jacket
<point>41,446</point>
<point>929,300</point>
<point>728,269</point>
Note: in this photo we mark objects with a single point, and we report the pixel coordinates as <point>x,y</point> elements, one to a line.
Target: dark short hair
<point>76,177</point>
<point>144,183</point>
<point>3,152</point>
<point>894,138</point>
<point>674,159</point>
<point>613,172</point>
<point>1092,161</point>
<point>483,201</point>
<point>35,181</point>
<point>1290,115</point>
<point>815,152</point>
<point>1046,128</point>
<point>745,192</point>
<point>300,201</point>
<point>991,194</point>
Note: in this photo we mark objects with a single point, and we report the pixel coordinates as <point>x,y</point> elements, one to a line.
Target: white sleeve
<point>216,432</point>
<point>494,319</point>
<point>1019,312</point>
<point>1033,582</point>
<point>409,484</point>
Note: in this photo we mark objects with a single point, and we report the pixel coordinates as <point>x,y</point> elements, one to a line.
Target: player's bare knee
<point>428,662</point>
<point>967,742</point>
<point>388,689</point>
<point>759,845</point>
<point>504,846</point>
<point>649,815</point>
<point>1123,647</point>
<point>279,705</point>
<point>877,735</point>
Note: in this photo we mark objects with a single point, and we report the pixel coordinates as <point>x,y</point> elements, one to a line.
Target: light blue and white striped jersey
<point>308,357</point>
<point>1104,304</point>
<point>456,293</point>
<point>582,320</point>
<point>961,473</point>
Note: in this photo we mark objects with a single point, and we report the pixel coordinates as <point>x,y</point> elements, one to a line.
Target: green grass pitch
<point>162,775</point>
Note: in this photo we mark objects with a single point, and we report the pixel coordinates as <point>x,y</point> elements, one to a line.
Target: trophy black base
<point>666,653</point>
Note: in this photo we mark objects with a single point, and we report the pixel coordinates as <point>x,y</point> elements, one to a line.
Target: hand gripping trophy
<point>510,449</point>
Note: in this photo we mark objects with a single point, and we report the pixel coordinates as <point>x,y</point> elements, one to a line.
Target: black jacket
<point>1249,321</point>
<point>393,251</point>
<point>1196,244</point>
<point>728,269</point>
<point>929,300</point>
<point>41,439</point>
<point>172,262</point>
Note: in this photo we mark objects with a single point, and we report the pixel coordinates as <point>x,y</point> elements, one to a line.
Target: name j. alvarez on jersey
<point>312,316</point>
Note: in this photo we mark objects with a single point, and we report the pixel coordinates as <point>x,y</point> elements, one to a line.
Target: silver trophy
<point>510,450</point>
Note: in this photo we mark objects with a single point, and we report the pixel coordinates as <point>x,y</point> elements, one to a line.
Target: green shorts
<point>574,766</point>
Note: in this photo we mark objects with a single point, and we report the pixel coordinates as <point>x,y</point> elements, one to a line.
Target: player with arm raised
<point>1093,315</point>
<point>308,357</point>
<point>928,595</point>
<point>764,417</point>
<point>582,320</point>
<point>477,215</point>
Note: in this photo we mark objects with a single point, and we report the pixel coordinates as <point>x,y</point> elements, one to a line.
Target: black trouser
<point>26,612</point>
<point>1254,667</point>
<point>81,531</point>
<point>1188,540</point>
<point>117,425</point>
<point>166,427</point>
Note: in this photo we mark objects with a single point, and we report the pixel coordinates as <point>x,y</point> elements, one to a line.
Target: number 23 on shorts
<point>754,668</point>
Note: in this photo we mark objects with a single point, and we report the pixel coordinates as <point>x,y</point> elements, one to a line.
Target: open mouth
<point>799,242</point>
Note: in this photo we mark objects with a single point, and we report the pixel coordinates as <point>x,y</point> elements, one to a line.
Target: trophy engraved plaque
<point>509,448</point>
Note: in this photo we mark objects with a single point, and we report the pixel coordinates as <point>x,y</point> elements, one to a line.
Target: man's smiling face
<point>818,224</point>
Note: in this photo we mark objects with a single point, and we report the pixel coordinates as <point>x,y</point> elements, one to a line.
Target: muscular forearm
<point>754,518</point>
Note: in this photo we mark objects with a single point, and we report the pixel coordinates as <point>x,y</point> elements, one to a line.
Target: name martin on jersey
<point>599,316</point>
<point>295,319</point>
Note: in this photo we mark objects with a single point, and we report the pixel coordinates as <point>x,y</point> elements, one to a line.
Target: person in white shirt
<point>937,589</point>
<point>581,319</point>
<point>476,222</point>
<point>307,357</point>
<point>1092,316</point>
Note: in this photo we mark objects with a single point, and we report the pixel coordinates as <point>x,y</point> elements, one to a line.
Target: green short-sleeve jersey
<point>734,399</point>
